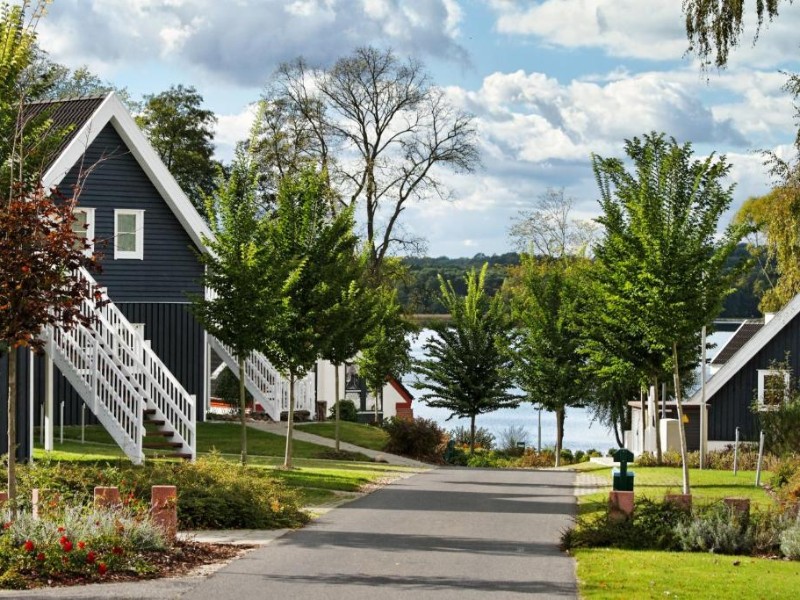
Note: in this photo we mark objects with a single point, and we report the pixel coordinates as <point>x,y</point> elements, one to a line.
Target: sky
<point>549,82</point>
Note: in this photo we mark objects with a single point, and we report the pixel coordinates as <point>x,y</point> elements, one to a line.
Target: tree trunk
<point>336,405</point>
<point>287,463</point>
<point>242,415</point>
<point>12,430</point>
<point>644,418</point>
<point>377,391</point>
<point>681,430</point>
<point>472,435</point>
<point>657,421</point>
<point>560,415</point>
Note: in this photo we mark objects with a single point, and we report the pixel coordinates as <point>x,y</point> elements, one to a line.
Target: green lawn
<point>222,437</point>
<point>706,485</point>
<point>612,574</point>
<point>364,436</point>
<point>609,573</point>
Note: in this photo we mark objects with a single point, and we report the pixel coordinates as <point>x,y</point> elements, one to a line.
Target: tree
<point>667,266</point>
<point>236,311</point>
<point>385,351</point>
<point>548,228</point>
<point>714,27</point>
<point>467,369</point>
<point>773,221</point>
<point>307,250</point>
<point>182,132</point>
<point>548,364</point>
<point>350,321</point>
<point>381,129</point>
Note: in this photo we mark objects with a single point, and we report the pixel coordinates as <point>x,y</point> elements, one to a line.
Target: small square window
<point>129,234</point>
<point>773,388</point>
<point>83,227</point>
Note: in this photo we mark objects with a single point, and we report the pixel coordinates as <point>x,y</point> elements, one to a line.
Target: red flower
<point>81,545</point>
<point>116,550</point>
<point>29,546</point>
<point>40,556</point>
<point>7,525</point>
<point>91,557</point>
<point>61,530</point>
<point>102,568</point>
<point>64,539</point>
<point>67,546</point>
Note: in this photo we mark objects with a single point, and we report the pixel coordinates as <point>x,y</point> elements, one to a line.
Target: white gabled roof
<point>113,111</point>
<point>750,349</point>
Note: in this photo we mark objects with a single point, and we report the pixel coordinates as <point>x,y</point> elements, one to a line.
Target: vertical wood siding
<point>170,268</point>
<point>731,405</point>
<point>23,405</point>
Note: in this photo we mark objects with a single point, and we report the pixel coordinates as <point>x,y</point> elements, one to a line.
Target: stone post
<point>106,497</point>
<point>739,506</point>
<point>620,506</point>
<point>683,501</point>
<point>164,509</point>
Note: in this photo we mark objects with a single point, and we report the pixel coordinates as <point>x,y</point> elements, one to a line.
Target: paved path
<point>280,429</point>
<point>445,534</point>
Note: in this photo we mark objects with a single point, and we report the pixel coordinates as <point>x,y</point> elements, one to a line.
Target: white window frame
<point>762,375</point>
<point>127,254</point>
<point>89,212</point>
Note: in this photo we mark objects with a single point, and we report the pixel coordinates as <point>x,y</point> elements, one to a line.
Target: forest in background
<point>421,294</point>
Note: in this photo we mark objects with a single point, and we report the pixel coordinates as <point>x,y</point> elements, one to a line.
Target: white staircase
<point>123,382</point>
<point>266,384</point>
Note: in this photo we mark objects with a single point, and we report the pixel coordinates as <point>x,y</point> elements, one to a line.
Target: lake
<point>580,433</point>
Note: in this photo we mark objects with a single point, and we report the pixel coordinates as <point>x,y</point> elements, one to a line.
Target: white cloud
<point>243,42</point>
<point>642,29</point>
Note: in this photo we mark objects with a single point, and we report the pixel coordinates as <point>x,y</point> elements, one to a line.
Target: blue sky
<point>549,82</point>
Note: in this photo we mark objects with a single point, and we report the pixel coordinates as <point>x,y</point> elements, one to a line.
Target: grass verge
<point>358,434</point>
<point>605,574</point>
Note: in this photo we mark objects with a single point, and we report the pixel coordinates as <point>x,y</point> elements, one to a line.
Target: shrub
<point>418,438</point>
<point>790,541</point>
<point>532,459</point>
<point>651,528</point>
<point>212,493</point>
<point>483,439</point>
<point>76,541</point>
<point>347,411</point>
<point>489,459</point>
<point>511,437</point>
<point>716,528</point>
<point>784,470</point>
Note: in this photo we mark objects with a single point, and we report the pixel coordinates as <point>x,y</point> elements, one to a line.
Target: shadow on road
<point>393,542</point>
<point>417,583</point>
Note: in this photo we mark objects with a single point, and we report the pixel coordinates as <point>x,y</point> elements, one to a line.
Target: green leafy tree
<point>385,351</point>
<point>182,132</point>
<point>467,369</point>
<point>236,310</point>
<point>350,320</point>
<point>668,268</point>
<point>548,363</point>
<point>307,251</point>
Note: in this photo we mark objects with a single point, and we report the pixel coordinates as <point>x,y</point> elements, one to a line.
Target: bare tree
<point>548,229</point>
<point>379,127</point>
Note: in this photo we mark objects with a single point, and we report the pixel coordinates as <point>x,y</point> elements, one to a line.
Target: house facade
<point>142,368</point>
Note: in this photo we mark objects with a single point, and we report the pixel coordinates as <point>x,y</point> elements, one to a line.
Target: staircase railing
<point>266,384</point>
<point>130,363</point>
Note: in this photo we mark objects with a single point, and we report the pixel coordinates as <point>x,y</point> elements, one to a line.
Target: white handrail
<point>119,376</point>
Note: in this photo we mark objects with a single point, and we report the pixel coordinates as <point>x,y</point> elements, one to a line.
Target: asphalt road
<point>447,533</point>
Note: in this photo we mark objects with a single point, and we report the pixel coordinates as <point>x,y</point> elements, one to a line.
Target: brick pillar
<point>680,500</point>
<point>740,506</point>
<point>164,509</point>
<point>106,497</point>
<point>620,505</point>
